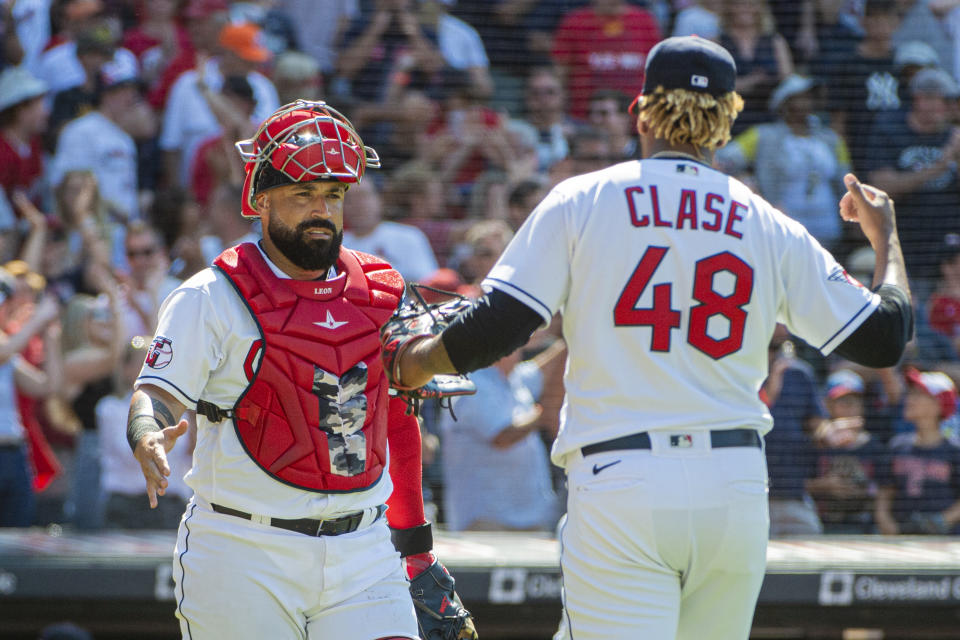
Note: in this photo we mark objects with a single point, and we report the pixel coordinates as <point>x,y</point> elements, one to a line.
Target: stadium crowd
<point>118,180</point>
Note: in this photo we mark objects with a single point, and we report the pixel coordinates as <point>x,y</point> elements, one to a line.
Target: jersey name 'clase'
<point>644,206</point>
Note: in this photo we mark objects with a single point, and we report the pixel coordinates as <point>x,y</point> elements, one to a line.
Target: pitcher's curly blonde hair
<point>680,116</point>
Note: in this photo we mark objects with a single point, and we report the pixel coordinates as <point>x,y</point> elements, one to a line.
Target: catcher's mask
<point>301,142</point>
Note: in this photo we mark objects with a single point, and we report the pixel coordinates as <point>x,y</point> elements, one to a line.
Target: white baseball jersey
<point>205,333</point>
<point>671,277</point>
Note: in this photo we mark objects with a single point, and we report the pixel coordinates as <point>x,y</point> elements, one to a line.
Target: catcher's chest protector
<point>315,413</point>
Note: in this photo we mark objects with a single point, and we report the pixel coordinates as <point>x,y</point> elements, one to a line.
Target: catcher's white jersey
<point>671,277</point>
<point>204,339</point>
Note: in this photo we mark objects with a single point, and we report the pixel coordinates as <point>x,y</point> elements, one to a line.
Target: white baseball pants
<point>245,580</point>
<point>666,543</point>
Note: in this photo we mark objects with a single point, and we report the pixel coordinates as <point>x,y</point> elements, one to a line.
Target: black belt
<point>718,439</point>
<point>308,526</point>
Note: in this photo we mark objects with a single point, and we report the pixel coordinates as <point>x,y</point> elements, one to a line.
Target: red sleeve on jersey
<point>406,471</point>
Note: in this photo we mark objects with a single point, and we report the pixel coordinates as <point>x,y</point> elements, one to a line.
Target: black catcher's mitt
<point>440,614</point>
<point>416,320</point>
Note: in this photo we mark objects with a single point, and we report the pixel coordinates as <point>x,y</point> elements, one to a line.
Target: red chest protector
<point>315,413</point>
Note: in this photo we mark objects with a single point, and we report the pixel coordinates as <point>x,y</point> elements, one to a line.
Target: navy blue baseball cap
<point>692,63</point>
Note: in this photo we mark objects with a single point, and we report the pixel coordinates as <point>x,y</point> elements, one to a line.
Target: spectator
<point>590,150</point>
<point>921,490</point>
<point>189,120</point>
<point>32,20</point>
<point>85,244</point>
<point>158,39</point>
<point>944,303</point>
<point>609,111</point>
<point>121,480</point>
<point>495,468</point>
<point>699,18</point>
<point>460,44</point>
<point>147,281</point>
<point>848,461</point>
<point>215,162</point>
<point>920,23</point>
<point>23,118</point>
<point>545,115</point>
<point>798,162</point>
<point>484,241</point>
<point>794,401</point>
<point>762,56</point>
<point>203,20</point>
<point>863,84</point>
<point>523,197</point>
<point>909,58</point>
<point>92,348</point>
<point>29,289</point>
<point>405,247</point>
<point>97,143</point>
<point>182,222</point>
<point>276,24</point>
<point>517,34</point>
<point>603,46</point>
<point>95,47</point>
<point>384,46</point>
<point>16,482</point>
<point>11,51</point>
<point>225,228</point>
<point>837,36</point>
<point>318,27</point>
<point>796,22</point>
<point>59,65</point>
<point>468,138</point>
<point>297,77</point>
<point>913,156</point>
<point>416,197</point>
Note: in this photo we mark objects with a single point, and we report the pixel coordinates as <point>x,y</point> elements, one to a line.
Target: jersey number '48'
<point>662,318</point>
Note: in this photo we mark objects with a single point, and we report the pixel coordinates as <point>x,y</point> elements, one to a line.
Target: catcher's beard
<point>306,253</point>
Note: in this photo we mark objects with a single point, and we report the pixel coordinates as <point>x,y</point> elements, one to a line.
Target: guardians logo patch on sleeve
<point>160,353</point>
<point>840,275</point>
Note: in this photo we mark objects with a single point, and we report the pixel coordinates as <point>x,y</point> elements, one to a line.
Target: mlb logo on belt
<point>682,441</point>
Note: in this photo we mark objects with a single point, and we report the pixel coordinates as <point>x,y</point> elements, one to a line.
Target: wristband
<point>410,542</point>
<point>139,426</point>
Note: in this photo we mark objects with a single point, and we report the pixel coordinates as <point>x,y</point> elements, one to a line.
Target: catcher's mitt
<point>413,321</point>
<point>440,614</point>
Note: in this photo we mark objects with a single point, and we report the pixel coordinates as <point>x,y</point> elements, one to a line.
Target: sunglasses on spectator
<point>141,253</point>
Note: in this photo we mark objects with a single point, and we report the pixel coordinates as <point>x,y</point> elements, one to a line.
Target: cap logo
<point>699,81</point>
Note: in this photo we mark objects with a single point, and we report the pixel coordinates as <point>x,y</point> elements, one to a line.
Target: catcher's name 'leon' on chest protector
<point>314,415</point>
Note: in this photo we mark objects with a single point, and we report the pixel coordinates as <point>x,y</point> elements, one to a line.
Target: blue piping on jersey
<point>179,390</point>
<point>183,573</point>
<point>841,329</point>
<point>533,298</point>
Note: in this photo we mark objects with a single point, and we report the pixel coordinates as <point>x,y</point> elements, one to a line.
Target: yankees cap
<point>689,62</point>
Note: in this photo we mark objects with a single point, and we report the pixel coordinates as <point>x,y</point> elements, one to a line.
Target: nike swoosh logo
<point>597,469</point>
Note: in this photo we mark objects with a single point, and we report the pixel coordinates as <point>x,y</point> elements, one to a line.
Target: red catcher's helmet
<point>301,142</point>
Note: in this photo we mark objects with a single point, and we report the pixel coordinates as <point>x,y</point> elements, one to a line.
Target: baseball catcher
<point>277,346</point>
